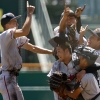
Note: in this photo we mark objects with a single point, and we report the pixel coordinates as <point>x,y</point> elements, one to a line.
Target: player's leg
<point>19,93</point>
<point>2,88</point>
<point>9,88</point>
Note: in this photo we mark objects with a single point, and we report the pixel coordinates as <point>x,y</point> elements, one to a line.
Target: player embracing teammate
<point>78,61</point>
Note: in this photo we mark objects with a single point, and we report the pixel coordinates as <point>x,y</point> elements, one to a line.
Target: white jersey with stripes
<point>9,45</point>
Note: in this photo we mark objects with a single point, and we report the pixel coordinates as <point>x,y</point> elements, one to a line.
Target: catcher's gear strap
<point>80,97</point>
<point>95,96</point>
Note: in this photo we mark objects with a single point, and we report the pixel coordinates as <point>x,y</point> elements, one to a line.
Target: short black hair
<point>66,45</point>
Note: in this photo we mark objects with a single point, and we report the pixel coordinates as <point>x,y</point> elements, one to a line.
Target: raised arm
<point>36,49</point>
<point>26,27</point>
<point>82,32</point>
<point>63,21</point>
<point>78,13</point>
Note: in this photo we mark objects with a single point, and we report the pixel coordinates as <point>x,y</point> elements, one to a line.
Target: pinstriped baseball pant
<point>9,87</point>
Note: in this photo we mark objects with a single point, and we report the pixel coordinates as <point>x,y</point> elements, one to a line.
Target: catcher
<point>87,88</point>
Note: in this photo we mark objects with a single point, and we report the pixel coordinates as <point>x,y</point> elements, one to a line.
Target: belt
<point>8,72</point>
<point>4,72</point>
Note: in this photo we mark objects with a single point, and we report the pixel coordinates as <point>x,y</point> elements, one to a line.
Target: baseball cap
<point>59,39</point>
<point>95,32</point>
<point>8,17</point>
<point>71,13</point>
<point>88,53</point>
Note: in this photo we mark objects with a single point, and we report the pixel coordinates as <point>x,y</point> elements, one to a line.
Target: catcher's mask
<point>88,53</point>
<point>75,59</point>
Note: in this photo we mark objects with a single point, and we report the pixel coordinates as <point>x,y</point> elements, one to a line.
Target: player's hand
<point>80,75</point>
<point>30,8</point>
<point>83,30</point>
<point>79,11</point>
<point>66,12</point>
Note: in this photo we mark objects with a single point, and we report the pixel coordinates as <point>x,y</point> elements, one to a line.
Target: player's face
<point>83,62</point>
<point>93,42</point>
<point>71,20</point>
<point>13,23</point>
<point>63,54</point>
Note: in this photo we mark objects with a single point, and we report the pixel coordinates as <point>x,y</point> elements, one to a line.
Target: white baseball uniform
<point>76,35</point>
<point>60,66</point>
<point>90,87</point>
<point>10,59</point>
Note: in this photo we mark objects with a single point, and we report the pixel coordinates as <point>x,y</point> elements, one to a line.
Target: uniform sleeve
<point>10,33</point>
<point>21,41</point>
<point>84,39</point>
<point>89,81</point>
<point>56,31</point>
<point>54,68</point>
<point>98,59</point>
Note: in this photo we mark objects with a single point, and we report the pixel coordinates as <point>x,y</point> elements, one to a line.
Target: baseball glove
<point>57,83</point>
<point>60,81</point>
<point>72,38</point>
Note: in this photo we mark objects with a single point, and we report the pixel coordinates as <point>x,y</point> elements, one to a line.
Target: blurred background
<point>33,76</point>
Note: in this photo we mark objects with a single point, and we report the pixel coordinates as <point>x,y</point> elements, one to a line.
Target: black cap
<point>59,39</point>
<point>88,53</point>
<point>8,17</point>
<point>95,32</point>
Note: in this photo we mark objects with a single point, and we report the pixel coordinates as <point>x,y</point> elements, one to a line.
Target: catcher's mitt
<point>56,79</point>
<point>72,38</point>
<point>57,83</point>
<point>60,81</point>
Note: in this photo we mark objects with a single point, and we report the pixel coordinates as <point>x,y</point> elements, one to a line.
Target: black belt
<point>14,72</point>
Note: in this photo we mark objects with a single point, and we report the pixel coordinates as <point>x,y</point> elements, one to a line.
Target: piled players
<point>69,63</point>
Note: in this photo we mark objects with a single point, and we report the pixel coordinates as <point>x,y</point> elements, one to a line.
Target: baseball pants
<point>9,87</point>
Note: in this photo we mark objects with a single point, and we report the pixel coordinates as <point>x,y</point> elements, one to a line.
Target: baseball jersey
<point>10,57</point>
<point>60,66</point>
<point>90,87</point>
<point>76,35</point>
<point>98,59</point>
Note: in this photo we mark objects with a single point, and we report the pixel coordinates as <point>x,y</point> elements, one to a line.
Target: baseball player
<point>11,40</point>
<point>89,88</point>
<point>10,57</point>
<point>94,39</point>
<point>64,63</point>
<point>94,42</point>
<point>69,18</point>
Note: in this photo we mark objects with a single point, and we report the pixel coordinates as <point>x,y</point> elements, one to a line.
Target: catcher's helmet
<point>88,53</point>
